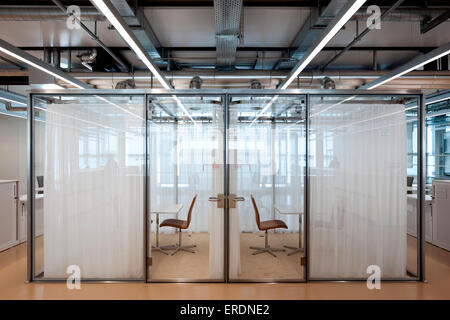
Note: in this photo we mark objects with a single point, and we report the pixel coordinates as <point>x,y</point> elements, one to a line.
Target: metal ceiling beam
<point>14,52</point>
<point>111,13</point>
<point>312,29</point>
<point>361,35</point>
<point>429,25</point>
<point>13,97</point>
<point>409,66</point>
<point>338,22</point>
<point>138,23</point>
<point>227,17</point>
<point>120,63</point>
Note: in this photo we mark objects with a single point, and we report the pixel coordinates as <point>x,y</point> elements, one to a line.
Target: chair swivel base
<point>183,248</point>
<point>162,248</point>
<point>296,250</point>
<point>267,249</point>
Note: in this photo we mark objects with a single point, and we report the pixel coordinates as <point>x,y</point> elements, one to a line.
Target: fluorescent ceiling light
<point>341,19</point>
<point>410,66</point>
<point>110,12</point>
<point>124,30</point>
<point>27,58</point>
<point>50,86</point>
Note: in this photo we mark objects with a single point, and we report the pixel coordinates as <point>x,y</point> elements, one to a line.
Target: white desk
<point>171,209</point>
<point>23,198</point>
<point>299,212</point>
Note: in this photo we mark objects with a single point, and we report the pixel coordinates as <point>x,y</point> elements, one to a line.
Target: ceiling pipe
<point>122,65</point>
<point>11,108</point>
<point>43,13</point>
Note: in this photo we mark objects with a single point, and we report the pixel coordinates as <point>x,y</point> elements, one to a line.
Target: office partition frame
<point>227,94</point>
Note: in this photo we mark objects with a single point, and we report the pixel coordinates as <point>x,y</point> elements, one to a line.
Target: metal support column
<point>30,191</point>
<point>226,188</point>
<point>306,191</point>
<point>421,175</point>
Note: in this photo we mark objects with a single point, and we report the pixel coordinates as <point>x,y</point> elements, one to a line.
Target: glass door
<point>186,188</point>
<point>266,150</point>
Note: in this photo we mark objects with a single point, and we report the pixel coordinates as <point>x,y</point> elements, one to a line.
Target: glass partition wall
<point>359,201</point>
<point>186,174</point>
<point>226,186</point>
<point>90,152</point>
<point>266,151</point>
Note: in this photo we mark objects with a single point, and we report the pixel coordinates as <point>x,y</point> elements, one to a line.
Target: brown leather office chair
<point>265,226</point>
<point>181,224</point>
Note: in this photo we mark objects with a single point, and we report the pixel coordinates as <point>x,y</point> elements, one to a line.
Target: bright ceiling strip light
<point>341,19</point>
<point>110,12</point>
<point>27,58</point>
<point>409,66</point>
<point>113,16</point>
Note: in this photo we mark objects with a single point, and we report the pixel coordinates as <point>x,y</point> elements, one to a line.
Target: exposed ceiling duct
<point>227,16</point>
<point>196,83</point>
<point>328,83</point>
<point>126,84</point>
<point>44,13</point>
<point>255,84</point>
<point>88,58</point>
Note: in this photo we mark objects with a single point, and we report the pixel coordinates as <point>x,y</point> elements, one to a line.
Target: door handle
<point>220,199</point>
<point>239,199</point>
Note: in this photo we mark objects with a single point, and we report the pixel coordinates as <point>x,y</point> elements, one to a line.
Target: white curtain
<point>358,190</point>
<point>187,159</point>
<point>267,162</point>
<point>94,191</point>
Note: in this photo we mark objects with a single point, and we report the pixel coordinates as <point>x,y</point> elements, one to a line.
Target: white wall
<point>13,150</point>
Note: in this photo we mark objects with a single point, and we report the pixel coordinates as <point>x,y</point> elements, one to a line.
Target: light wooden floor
<point>186,265</point>
<point>13,286</point>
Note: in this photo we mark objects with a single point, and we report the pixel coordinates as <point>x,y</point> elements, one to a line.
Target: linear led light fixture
<point>338,22</point>
<point>27,58</point>
<point>113,16</point>
<point>409,66</point>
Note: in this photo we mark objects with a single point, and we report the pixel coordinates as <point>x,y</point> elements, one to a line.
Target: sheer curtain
<point>94,191</point>
<point>358,190</point>
<point>268,163</point>
<point>187,159</point>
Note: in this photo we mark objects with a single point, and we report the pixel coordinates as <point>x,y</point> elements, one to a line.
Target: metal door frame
<point>227,94</point>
